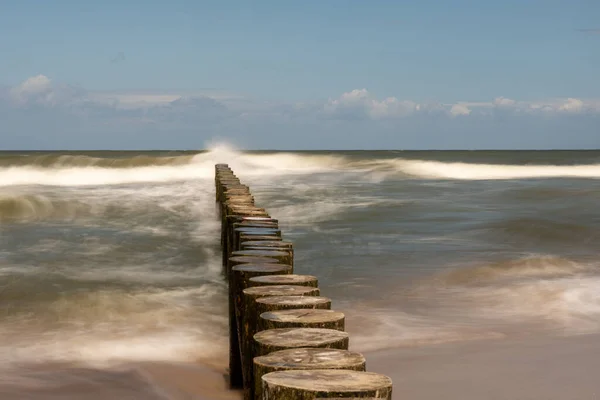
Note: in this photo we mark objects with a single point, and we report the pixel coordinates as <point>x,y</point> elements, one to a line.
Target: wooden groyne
<point>285,341</point>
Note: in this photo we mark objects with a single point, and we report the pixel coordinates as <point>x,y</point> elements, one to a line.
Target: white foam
<point>467,171</point>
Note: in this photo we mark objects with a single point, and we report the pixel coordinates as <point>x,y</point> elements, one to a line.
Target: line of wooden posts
<point>285,341</point>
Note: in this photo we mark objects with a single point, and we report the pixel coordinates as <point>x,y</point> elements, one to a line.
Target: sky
<point>312,74</point>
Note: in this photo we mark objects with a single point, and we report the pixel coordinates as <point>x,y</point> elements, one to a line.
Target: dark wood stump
<point>266,243</point>
<point>292,279</point>
<point>279,303</point>
<point>298,318</point>
<point>235,236</point>
<point>249,313</point>
<point>235,370</point>
<point>326,384</point>
<point>245,237</point>
<point>266,342</point>
<point>283,257</point>
<point>305,359</point>
<point>241,276</point>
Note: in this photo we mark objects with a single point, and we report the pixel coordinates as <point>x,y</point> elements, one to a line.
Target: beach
<point>535,368</point>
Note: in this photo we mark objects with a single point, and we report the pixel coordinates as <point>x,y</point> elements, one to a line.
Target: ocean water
<point>111,259</point>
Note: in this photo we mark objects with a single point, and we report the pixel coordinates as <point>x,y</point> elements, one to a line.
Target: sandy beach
<point>558,368</point>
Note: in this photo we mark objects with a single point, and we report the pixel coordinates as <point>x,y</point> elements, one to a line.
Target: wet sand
<point>549,368</point>
<point>558,368</point>
<point>143,381</point>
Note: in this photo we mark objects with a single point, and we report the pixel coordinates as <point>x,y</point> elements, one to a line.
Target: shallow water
<point>112,258</point>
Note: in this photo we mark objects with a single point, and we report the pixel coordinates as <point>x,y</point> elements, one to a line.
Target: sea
<point>110,264</point>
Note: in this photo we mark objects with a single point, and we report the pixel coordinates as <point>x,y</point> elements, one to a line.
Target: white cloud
<point>459,109</point>
<point>41,91</point>
<point>504,102</point>
<point>38,88</point>
<point>572,106</point>
<point>359,102</point>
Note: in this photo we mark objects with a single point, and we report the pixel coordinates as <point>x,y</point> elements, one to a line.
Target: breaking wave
<point>119,168</point>
<point>467,171</point>
<point>535,266</point>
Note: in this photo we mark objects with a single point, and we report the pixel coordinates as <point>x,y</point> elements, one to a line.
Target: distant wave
<point>468,171</point>
<point>537,230</point>
<point>84,170</point>
<point>538,266</point>
<point>67,160</point>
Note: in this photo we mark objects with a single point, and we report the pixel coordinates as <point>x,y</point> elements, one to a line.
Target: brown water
<point>111,284</point>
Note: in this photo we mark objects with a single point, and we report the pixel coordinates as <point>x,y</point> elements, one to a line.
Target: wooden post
<point>251,231</point>
<point>241,275</point>
<point>265,243</point>
<point>250,321</point>
<point>291,279</point>
<point>250,236</point>
<point>292,338</point>
<point>283,257</point>
<point>305,359</point>
<point>315,318</point>
<point>235,362</point>
<point>326,384</point>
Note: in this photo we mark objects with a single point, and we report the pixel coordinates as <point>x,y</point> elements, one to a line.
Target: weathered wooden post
<point>235,362</point>
<point>284,257</point>
<point>242,273</point>
<point>278,303</point>
<point>326,384</point>
<point>291,279</point>
<point>265,243</point>
<point>315,318</point>
<point>248,230</point>
<point>291,338</point>
<point>250,320</point>
<point>250,236</point>
<point>304,359</point>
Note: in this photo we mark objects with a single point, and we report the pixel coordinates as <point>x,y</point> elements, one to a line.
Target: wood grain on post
<point>296,318</point>
<point>283,257</point>
<point>266,342</point>
<point>257,224</point>
<point>249,236</point>
<point>252,244</point>
<point>325,383</point>
<point>291,279</point>
<point>304,359</point>
<point>278,303</point>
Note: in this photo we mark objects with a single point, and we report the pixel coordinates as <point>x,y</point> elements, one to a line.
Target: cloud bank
<point>39,113</point>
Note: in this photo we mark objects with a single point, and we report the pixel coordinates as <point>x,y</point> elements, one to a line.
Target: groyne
<point>285,341</point>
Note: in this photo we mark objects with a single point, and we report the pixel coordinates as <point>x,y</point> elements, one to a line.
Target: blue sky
<point>310,74</point>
